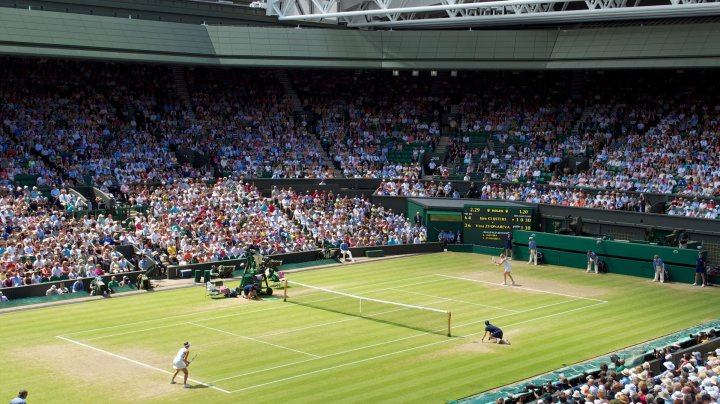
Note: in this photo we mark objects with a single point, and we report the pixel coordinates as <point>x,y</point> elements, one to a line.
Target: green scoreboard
<point>488,224</point>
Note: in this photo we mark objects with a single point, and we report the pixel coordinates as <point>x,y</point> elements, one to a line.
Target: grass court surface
<point>120,349</point>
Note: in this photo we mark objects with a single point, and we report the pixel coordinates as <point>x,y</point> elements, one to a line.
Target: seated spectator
<point>113,284</point>
<point>62,289</point>
<point>98,271</point>
<point>126,281</point>
<point>78,286</point>
<point>144,263</point>
<point>52,291</point>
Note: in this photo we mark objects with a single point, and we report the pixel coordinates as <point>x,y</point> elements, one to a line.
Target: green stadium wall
<point>621,257</point>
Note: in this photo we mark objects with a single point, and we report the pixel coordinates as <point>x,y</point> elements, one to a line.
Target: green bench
<point>374,253</point>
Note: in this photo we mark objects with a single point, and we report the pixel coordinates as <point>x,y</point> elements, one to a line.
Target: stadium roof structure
<point>463,14</point>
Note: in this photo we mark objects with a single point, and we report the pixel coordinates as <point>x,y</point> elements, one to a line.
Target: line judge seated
<point>345,251</point>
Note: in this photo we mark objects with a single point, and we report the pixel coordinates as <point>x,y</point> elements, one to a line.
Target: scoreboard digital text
<point>489,225</point>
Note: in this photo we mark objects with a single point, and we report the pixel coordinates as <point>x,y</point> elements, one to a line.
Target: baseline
<point>521,287</point>
<point>145,365</point>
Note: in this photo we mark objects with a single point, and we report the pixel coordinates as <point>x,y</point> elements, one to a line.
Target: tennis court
<point>328,344</point>
<point>321,333</point>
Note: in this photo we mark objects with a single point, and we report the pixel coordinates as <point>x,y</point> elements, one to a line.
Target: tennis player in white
<point>181,363</point>
<point>504,260</point>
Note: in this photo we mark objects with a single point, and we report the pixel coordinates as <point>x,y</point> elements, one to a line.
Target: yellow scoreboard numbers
<point>489,225</point>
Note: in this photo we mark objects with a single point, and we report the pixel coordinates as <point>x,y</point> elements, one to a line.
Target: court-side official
<point>496,334</point>
<point>592,259</point>
<point>508,246</point>
<point>700,271</point>
<point>659,267</point>
<point>532,245</point>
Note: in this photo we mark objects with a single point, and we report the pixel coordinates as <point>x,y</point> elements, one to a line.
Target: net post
<point>449,321</point>
<point>284,290</point>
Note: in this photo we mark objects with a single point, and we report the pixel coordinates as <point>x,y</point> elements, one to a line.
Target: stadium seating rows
<point>125,130</point>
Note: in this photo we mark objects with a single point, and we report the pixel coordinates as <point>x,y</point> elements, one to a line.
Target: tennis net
<point>419,318</point>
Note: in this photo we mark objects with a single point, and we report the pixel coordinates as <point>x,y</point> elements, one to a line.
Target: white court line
<point>521,312</point>
<point>386,282</point>
<point>521,287</point>
<point>241,313</point>
<point>254,339</point>
<point>174,324</point>
<point>138,362</point>
<point>155,320</point>
<point>401,351</point>
<point>551,315</point>
<point>456,300</point>
<point>455,326</point>
<point>442,299</point>
<point>322,357</point>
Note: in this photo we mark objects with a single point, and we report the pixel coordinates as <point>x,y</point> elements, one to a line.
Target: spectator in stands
<point>126,281</point>
<point>78,286</point>
<point>62,289</point>
<point>113,284</point>
<point>52,291</point>
<point>144,263</point>
<point>450,237</point>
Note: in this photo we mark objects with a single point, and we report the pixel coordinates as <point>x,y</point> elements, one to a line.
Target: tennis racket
<point>191,360</point>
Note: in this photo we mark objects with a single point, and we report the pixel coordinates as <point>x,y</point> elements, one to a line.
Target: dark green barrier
<point>460,247</point>
<point>604,248</point>
<point>620,257</point>
<point>480,249</point>
<point>36,290</point>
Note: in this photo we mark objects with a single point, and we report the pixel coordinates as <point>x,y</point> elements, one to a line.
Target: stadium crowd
<point>196,222</point>
<point>248,129</point>
<point>692,378</point>
<point>39,242</point>
<point>366,128</point>
<point>648,143</point>
<point>67,123</point>
<point>88,123</point>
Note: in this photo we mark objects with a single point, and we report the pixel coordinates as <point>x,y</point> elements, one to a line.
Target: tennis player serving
<point>504,261</point>
<point>181,362</point>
